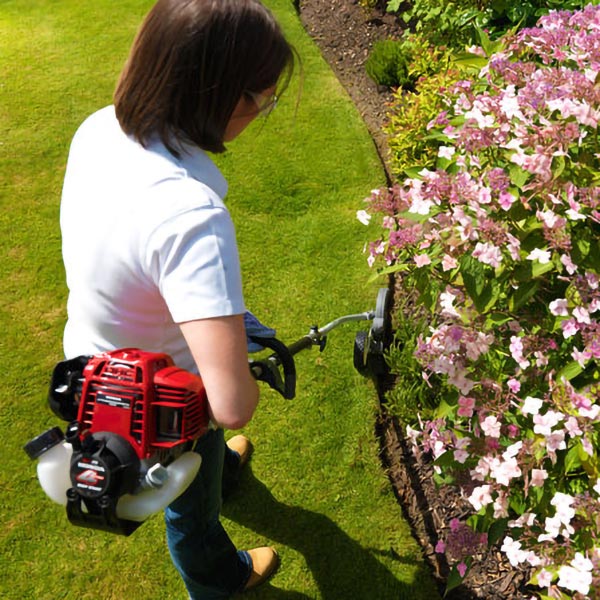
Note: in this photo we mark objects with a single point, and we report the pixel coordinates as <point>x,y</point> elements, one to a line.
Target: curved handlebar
<point>267,370</point>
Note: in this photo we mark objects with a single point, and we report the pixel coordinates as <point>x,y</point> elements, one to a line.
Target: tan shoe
<point>243,446</point>
<point>264,563</point>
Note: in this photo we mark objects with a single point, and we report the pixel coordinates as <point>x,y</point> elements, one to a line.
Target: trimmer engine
<point>132,413</point>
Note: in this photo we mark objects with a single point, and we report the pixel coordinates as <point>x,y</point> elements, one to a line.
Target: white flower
<point>446,152</point>
<point>513,551</point>
<point>363,216</point>
<point>559,307</point>
<point>532,405</point>
<point>542,256</point>
<point>575,580</point>
<point>481,496</point>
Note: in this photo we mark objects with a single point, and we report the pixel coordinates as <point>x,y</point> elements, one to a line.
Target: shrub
<point>500,240</point>
<point>401,63</point>
<point>387,63</point>
<point>411,111</point>
<point>455,22</point>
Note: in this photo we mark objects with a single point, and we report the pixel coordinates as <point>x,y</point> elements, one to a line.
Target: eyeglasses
<point>265,104</point>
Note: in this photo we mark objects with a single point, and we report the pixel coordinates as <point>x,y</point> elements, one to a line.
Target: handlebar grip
<point>301,344</point>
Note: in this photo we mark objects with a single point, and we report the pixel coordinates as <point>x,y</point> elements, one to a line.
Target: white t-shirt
<point>147,243</point>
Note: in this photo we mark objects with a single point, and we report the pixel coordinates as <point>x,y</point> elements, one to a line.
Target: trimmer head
<point>370,346</point>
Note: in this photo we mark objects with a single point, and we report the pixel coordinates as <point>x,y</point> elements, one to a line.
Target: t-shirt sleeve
<point>193,260</point>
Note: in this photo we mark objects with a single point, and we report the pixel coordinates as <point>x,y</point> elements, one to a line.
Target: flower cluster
<point>501,240</point>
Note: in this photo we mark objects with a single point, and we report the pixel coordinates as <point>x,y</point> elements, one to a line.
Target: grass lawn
<point>315,488</point>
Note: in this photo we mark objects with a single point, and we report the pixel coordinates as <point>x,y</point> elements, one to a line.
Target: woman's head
<point>193,62</point>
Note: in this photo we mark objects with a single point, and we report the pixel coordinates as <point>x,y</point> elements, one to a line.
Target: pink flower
<point>488,254</point>
<point>422,260</point>
<point>556,441</point>
<point>440,547</point>
<point>447,304</point>
<point>516,349</point>
<point>506,200</point>
<point>582,111</point>
<point>481,496</point>
<point>449,263</point>
<point>538,476</point>
<point>581,357</point>
<point>563,504</point>
<point>461,567</point>
<point>465,406</point>
<point>569,328</point>
<point>545,423</point>
<point>572,427</point>
<point>505,470</point>
<point>569,265</point>
<point>420,206</point>
<point>549,218</point>
<point>514,246</point>
<point>513,385</point>
<point>513,431</point>
<point>582,315</point>
<point>458,379</point>
<point>460,456</point>
<point>491,426</point>
<point>512,450</point>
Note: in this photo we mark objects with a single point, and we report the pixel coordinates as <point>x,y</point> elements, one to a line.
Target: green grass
<point>315,488</point>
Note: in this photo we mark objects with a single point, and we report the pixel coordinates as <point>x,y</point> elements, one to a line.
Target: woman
<point>149,247</point>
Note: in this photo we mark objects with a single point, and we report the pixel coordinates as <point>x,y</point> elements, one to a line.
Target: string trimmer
<point>134,418</point>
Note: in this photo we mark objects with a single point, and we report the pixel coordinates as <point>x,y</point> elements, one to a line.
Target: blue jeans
<point>201,550</point>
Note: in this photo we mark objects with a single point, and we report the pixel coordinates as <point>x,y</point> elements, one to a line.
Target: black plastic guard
<point>98,514</point>
<point>65,387</point>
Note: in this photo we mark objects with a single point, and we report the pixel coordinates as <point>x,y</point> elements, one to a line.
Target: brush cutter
<point>134,418</point>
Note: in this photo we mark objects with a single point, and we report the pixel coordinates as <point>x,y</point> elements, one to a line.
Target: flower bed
<point>501,243</point>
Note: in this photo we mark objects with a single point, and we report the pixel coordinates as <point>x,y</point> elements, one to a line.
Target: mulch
<point>345,31</point>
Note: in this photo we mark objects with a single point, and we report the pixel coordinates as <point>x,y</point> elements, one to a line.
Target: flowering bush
<point>501,242</point>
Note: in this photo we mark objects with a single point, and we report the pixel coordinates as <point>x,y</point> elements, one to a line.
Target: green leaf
<point>454,580</point>
<point>518,176</point>
<point>445,459</point>
<point>539,268</point>
<point>531,269</point>
<point>558,165</point>
<point>496,531</point>
<point>466,59</point>
<point>581,249</point>
<point>393,6</point>
<point>414,172</point>
<point>570,371</point>
<point>480,283</point>
<point>522,294</point>
<point>444,409</point>
<point>573,460</point>
<point>497,318</point>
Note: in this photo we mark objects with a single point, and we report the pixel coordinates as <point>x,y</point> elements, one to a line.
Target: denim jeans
<point>201,550</point>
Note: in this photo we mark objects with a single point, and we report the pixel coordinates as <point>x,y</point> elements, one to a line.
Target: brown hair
<point>190,64</point>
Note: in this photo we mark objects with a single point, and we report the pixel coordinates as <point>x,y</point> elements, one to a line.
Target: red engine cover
<point>144,398</point>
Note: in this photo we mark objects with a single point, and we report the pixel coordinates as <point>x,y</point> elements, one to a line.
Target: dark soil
<point>345,32</point>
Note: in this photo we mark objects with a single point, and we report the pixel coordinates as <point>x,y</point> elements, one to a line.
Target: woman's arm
<point>219,348</point>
